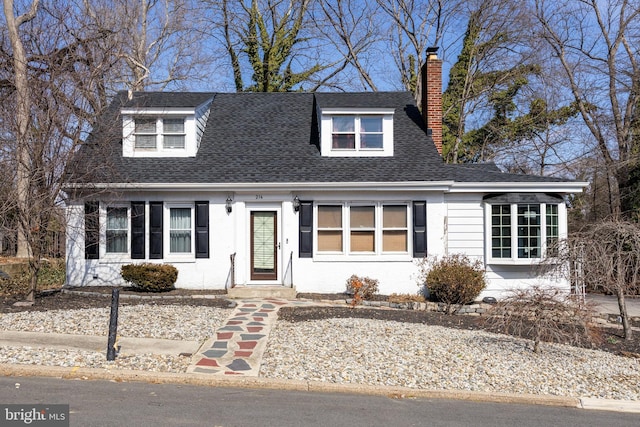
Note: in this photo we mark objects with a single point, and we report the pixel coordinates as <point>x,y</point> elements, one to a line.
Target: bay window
<point>523,231</point>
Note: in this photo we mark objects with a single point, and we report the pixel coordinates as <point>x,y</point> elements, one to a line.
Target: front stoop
<point>257,291</point>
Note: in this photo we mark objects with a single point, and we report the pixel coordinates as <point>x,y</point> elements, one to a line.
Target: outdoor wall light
<point>229,204</point>
<point>296,204</point>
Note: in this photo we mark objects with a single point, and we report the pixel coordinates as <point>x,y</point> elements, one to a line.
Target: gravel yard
<point>445,354</point>
<point>177,322</point>
<point>379,352</point>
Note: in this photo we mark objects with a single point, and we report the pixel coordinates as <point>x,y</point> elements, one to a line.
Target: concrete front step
<point>258,291</point>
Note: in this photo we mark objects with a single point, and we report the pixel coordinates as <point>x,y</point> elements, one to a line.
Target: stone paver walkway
<point>240,342</point>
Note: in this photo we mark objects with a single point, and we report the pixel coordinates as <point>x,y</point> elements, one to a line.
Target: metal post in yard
<point>113,325</point>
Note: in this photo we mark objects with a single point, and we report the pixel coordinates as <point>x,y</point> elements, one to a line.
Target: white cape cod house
<point>297,189</point>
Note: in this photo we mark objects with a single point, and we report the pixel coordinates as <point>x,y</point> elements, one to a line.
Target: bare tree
<point>50,71</point>
<point>595,43</point>
<point>413,26</point>
<point>22,116</point>
<point>543,315</point>
<point>607,254</point>
<point>351,27</point>
<point>158,42</point>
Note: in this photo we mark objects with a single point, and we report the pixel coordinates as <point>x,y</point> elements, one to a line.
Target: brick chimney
<point>431,96</point>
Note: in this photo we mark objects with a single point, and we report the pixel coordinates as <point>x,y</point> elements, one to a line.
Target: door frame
<point>270,278</point>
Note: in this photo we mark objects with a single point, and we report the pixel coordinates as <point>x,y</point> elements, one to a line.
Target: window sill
<point>362,257</point>
<point>524,261</point>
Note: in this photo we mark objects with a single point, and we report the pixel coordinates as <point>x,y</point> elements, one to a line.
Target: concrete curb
<point>592,403</point>
<point>122,375</point>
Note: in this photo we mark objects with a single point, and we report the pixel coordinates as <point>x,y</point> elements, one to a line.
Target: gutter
<point>445,186</point>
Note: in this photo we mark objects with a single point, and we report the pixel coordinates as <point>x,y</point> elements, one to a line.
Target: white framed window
<point>356,133</point>
<point>522,232</point>
<point>329,228</point>
<point>158,133</point>
<point>173,135</point>
<point>146,133</point>
<point>117,230</point>
<point>395,228</point>
<point>362,228</point>
<point>180,230</point>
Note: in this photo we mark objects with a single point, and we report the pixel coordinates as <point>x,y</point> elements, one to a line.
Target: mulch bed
<point>612,340</point>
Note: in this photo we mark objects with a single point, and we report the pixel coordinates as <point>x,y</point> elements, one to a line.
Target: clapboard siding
<point>465,225</point>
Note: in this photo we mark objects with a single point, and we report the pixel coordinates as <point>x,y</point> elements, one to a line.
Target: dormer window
<point>163,131</point>
<point>356,133</point>
<point>146,134</point>
<point>159,133</point>
<point>173,133</point>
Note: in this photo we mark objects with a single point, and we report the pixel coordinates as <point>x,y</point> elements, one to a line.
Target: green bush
<point>453,279</point>
<point>149,277</point>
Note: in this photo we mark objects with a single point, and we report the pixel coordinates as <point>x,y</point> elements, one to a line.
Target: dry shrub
<point>362,288</point>
<point>544,314</point>
<point>452,279</point>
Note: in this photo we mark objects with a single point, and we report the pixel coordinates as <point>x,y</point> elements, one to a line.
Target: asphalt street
<point>106,403</point>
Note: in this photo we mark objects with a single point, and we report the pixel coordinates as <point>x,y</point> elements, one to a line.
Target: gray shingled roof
<point>273,137</point>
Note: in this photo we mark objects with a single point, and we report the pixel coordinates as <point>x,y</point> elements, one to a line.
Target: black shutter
<point>305,220</point>
<point>202,229</point>
<point>137,230</point>
<point>91,230</point>
<point>155,230</point>
<point>419,229</point>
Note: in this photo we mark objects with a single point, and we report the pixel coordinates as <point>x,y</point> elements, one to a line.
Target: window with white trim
<point>362,229</point>
<point>180,230</point>
<point>117,230</point>
<point>395,229</point>
<point>356,133</point>
<point>158,133</point>
<point>523,231</point>
<point>365,132</point>
<point>329,228</point>
<point>146,133</point>
<point>173,134</point>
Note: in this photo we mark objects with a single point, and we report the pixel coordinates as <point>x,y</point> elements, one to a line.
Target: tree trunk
<point>622,305</point>
<point>22,120</point>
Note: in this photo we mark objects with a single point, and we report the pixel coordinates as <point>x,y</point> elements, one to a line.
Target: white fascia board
<point>444,186</point>
<point>357,110</point>
<point>157,111</point>
<point>278,186</point>
<point>512,187</point>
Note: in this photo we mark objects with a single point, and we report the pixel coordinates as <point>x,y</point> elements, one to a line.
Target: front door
<point>264,251</point>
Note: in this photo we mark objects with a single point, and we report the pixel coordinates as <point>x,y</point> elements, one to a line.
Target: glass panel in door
<point>263,246</point>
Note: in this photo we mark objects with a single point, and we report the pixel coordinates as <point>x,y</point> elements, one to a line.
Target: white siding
<point>455,224</point>
<point>465,225</point>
